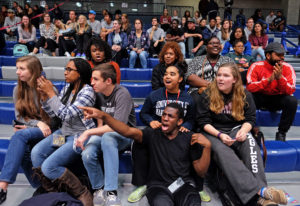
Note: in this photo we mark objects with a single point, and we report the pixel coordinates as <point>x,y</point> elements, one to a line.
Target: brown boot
<point>46,184</point>
<point>276,195</point>
<point>263,202</point>
<point>75,188</point>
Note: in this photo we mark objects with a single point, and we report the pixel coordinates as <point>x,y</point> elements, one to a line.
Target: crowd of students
<point>172,155</point>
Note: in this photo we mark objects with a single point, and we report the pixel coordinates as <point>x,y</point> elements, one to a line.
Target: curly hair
<point>175,47</point>
<point>216,99</point>
<point>232,36</point>
<point>99,44</point>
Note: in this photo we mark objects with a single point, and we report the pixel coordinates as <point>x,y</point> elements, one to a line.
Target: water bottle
<point>41,51</point>
<point>76,149</point>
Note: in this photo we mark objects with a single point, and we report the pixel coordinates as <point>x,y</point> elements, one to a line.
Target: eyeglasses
<point>68,69</point>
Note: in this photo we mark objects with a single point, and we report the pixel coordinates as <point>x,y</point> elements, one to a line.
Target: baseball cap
<point>92,12</point>
<point>10,11</point>
<point>275,47</point>
<point>191,20</point>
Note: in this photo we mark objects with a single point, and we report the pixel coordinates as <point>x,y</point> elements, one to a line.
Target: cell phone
<point>16,122</point>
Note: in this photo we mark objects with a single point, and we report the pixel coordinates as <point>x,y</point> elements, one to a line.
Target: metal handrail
<point>284,40</point>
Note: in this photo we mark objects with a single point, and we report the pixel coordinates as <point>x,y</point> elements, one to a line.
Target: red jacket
<point>258,74</point>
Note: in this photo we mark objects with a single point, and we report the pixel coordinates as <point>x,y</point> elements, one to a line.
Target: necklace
<point>177,96</point>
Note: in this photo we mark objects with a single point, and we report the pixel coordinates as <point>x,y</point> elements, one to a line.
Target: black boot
<point>3,195</point>
<point>280,136</point>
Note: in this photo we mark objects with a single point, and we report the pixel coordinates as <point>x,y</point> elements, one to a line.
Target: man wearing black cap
<point>272,83</point>
<point>194,41</point>
<point>95,24</point>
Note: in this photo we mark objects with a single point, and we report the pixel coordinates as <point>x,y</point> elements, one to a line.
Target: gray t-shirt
<point>158,34</point>
<point>28,122</point>
<point>118,104</point>
<point>96,26</point>
<point>106,26</point>
<point>138,43</point>
<point>10,22</point>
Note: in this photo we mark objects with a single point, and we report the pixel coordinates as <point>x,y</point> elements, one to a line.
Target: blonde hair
<point>26,91</point>
<point>216,99</point>
<point>86,26</point>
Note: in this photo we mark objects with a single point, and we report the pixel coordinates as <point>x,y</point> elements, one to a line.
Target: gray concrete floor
<point>289,182</point>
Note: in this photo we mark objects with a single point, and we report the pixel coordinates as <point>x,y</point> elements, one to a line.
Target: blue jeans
<point>143,58</point>
<point>18,154</point>
<point>110,143</point>
<point>201,50</point>
<point>182,48</point>
<point>260,51</point>
<point>51,159</point>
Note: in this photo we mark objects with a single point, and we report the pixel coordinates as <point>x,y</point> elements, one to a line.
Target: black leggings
<point>81,42</point>
<point>65,45</point>
<point>51,44</point>
<point>286,103</point>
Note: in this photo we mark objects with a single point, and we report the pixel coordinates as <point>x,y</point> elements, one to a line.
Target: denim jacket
<point>123,36</point>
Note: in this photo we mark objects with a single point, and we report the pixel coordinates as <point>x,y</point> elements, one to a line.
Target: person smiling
<point>202,69</point>
<point>173,156</point>
<point>169,55</point>
<point>226,112</point>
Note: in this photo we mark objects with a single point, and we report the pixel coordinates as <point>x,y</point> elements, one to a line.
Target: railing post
<point>283,40</point>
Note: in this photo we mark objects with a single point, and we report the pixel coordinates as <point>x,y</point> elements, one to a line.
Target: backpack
<point>52,199</point>
<point>20,50</point>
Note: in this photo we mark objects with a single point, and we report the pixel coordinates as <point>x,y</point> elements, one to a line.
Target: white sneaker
<point>99,197</point>
<point>31,54</point>
<point>67,54</point>
<point>112,200</point>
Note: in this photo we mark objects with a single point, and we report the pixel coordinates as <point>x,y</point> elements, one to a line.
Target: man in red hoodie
<point>272,82</point>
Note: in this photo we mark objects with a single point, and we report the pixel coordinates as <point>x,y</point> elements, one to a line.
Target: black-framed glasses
<point>68,69</point>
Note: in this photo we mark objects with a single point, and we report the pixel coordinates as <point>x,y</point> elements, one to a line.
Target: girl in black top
<point>226,113</point>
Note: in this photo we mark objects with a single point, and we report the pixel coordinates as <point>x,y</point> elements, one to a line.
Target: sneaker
<point>112,199</point>
<point>67,54</point>
<point>99,197</point>
<point>137,194</point>
<point>280,136</point>
<point>277,196</point>
<point>204,196</point>
<point>154,55</point>
<point>31,54</point>
<point>78,55</point>
<point>83,56</point>
<point>264,202</point>
<point>3,195</point>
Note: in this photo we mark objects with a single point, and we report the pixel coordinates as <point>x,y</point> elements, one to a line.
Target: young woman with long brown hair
<point>226,113</point>
<point>32,125</point>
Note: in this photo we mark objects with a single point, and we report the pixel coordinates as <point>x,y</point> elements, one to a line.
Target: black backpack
<point>52,199</point>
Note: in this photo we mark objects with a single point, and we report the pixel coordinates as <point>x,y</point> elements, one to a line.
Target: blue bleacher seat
<point>7,111</point>
<point>138,90</point>
<point>136,74</point>
<point>296,145</point>
<point>8,60</point>
<point>281,157</point>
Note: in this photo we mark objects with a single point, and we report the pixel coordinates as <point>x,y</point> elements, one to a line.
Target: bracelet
<point>219,134</point>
